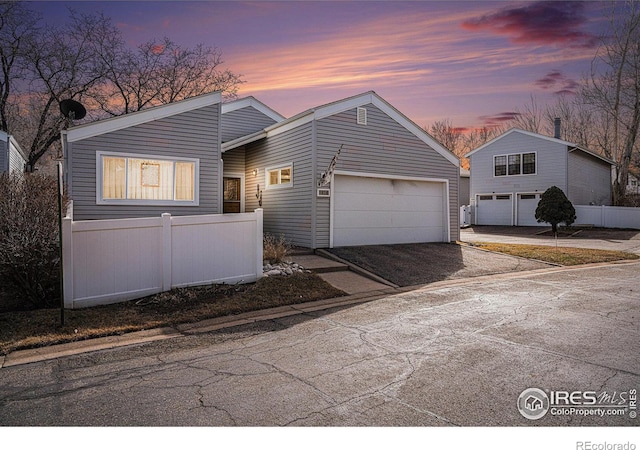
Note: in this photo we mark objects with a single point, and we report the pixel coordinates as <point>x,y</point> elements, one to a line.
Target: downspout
<point>220,162</point>
<point>314,176</point>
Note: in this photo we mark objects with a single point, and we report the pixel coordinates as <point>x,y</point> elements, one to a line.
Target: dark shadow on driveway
<point>414,264</point>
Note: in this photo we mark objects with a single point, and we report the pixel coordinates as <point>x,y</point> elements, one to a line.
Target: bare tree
<point>529,117</point>
<point>480,136</point>
<point>613,90</point>
<point>160,72</point>
<point>18,26</point>
<point>86,59</point>
<point>65,66</point>
<point>448,135</point>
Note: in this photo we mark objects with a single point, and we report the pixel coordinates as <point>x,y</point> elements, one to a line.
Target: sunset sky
<point>473,62</point>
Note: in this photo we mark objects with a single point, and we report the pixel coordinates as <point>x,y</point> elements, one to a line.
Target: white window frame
<point>279,185</point>
<point>138,202</point>
<point>521,174</point>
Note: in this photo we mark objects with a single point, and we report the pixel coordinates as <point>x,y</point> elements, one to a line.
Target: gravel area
<point>413,264</point>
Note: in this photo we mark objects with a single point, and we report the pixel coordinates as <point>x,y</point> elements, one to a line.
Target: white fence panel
<point>465,216</point>
<point>109,261</point>
<point>608,216</point>
<point>218,249</point>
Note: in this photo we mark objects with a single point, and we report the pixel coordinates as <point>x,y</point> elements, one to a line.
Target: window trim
<point>521,174</point>
<point>138,202</point>
<point>279,168</point>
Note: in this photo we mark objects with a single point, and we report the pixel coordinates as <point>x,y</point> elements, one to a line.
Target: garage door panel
<point>380,219</point>
<point>369,211</point>
<point>368,202</point>
<point>527,204</point>
<point>494,211</point>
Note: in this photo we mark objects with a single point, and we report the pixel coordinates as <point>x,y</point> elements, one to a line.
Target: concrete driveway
<point>418,264</point>
<point>604,239</point>
<point>461,353</point>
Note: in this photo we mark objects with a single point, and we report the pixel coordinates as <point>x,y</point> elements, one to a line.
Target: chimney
<point>556,126</point>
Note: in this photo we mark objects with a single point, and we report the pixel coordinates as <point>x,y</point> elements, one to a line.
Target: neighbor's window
<point>515,164</point>
<point>279,176</point>
<point>528,163</point>
<point>146,180</point>
<point>500,165</point>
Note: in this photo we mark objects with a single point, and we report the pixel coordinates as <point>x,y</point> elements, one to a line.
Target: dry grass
<point>275,249</point>
<point>565,256</point>
<point>29,329</point>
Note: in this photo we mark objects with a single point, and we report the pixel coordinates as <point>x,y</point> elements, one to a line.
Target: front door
<point>232,195</point>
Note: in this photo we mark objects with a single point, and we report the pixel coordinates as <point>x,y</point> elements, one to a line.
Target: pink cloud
<point>498,119</point>
<point>542,22</point>
<point>558,83</point>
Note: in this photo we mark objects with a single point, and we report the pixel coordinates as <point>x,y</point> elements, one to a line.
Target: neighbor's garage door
<point>494,210</point>
<point>527,204</point>
<point>370,211</point>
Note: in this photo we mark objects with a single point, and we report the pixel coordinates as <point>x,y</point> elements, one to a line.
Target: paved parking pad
<point>417,264</point>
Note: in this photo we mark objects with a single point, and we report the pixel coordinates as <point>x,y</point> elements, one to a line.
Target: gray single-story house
<point>510,173</point>
<point>352,172</point>
<point>12,157</point>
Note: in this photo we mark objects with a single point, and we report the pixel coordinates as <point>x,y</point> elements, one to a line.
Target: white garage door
<point>527,204</point>
<point>370,211</point>
<point>494,210</point>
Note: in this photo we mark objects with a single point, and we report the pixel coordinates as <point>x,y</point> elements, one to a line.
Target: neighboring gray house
<point>392,182</point>
<point>465,186</point>
<point>12,158</point>
<point>510,172</point>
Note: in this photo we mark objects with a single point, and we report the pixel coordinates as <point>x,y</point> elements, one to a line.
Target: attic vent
<point>362,116</point>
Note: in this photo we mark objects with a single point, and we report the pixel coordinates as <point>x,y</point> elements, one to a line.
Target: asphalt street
<point>456,354</point>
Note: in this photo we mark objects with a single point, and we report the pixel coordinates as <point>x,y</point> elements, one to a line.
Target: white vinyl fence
<point>109,261</point>
<point>465,216</point>
<point>608,216</point>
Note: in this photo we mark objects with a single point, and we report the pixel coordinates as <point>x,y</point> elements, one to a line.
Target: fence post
<point>166,252</point>
<point>603,216</point>
<point>259,243</point>
<point>67,260</point>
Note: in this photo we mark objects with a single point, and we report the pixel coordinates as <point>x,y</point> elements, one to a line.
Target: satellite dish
<point>72,109</point>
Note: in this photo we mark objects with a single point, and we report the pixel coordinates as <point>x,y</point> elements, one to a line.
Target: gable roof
<point>253,103</point>
<point>139,117</point>
<point>339,106</point>
<point>570,146</point>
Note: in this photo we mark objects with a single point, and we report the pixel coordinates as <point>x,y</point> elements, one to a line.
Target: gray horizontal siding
<point>16,161</point>
<point>551,159</point>
<point>286,210</point>
<point>234,161</point>
<point>192,134</point>
<point>589,180</point>
<point>243,122</point>
<point>4,154</point>
<point>383,146</point>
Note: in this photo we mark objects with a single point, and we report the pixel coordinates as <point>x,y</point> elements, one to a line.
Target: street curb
<point>21,357</point>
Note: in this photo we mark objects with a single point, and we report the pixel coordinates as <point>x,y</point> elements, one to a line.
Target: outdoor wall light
<point>255,172</point>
